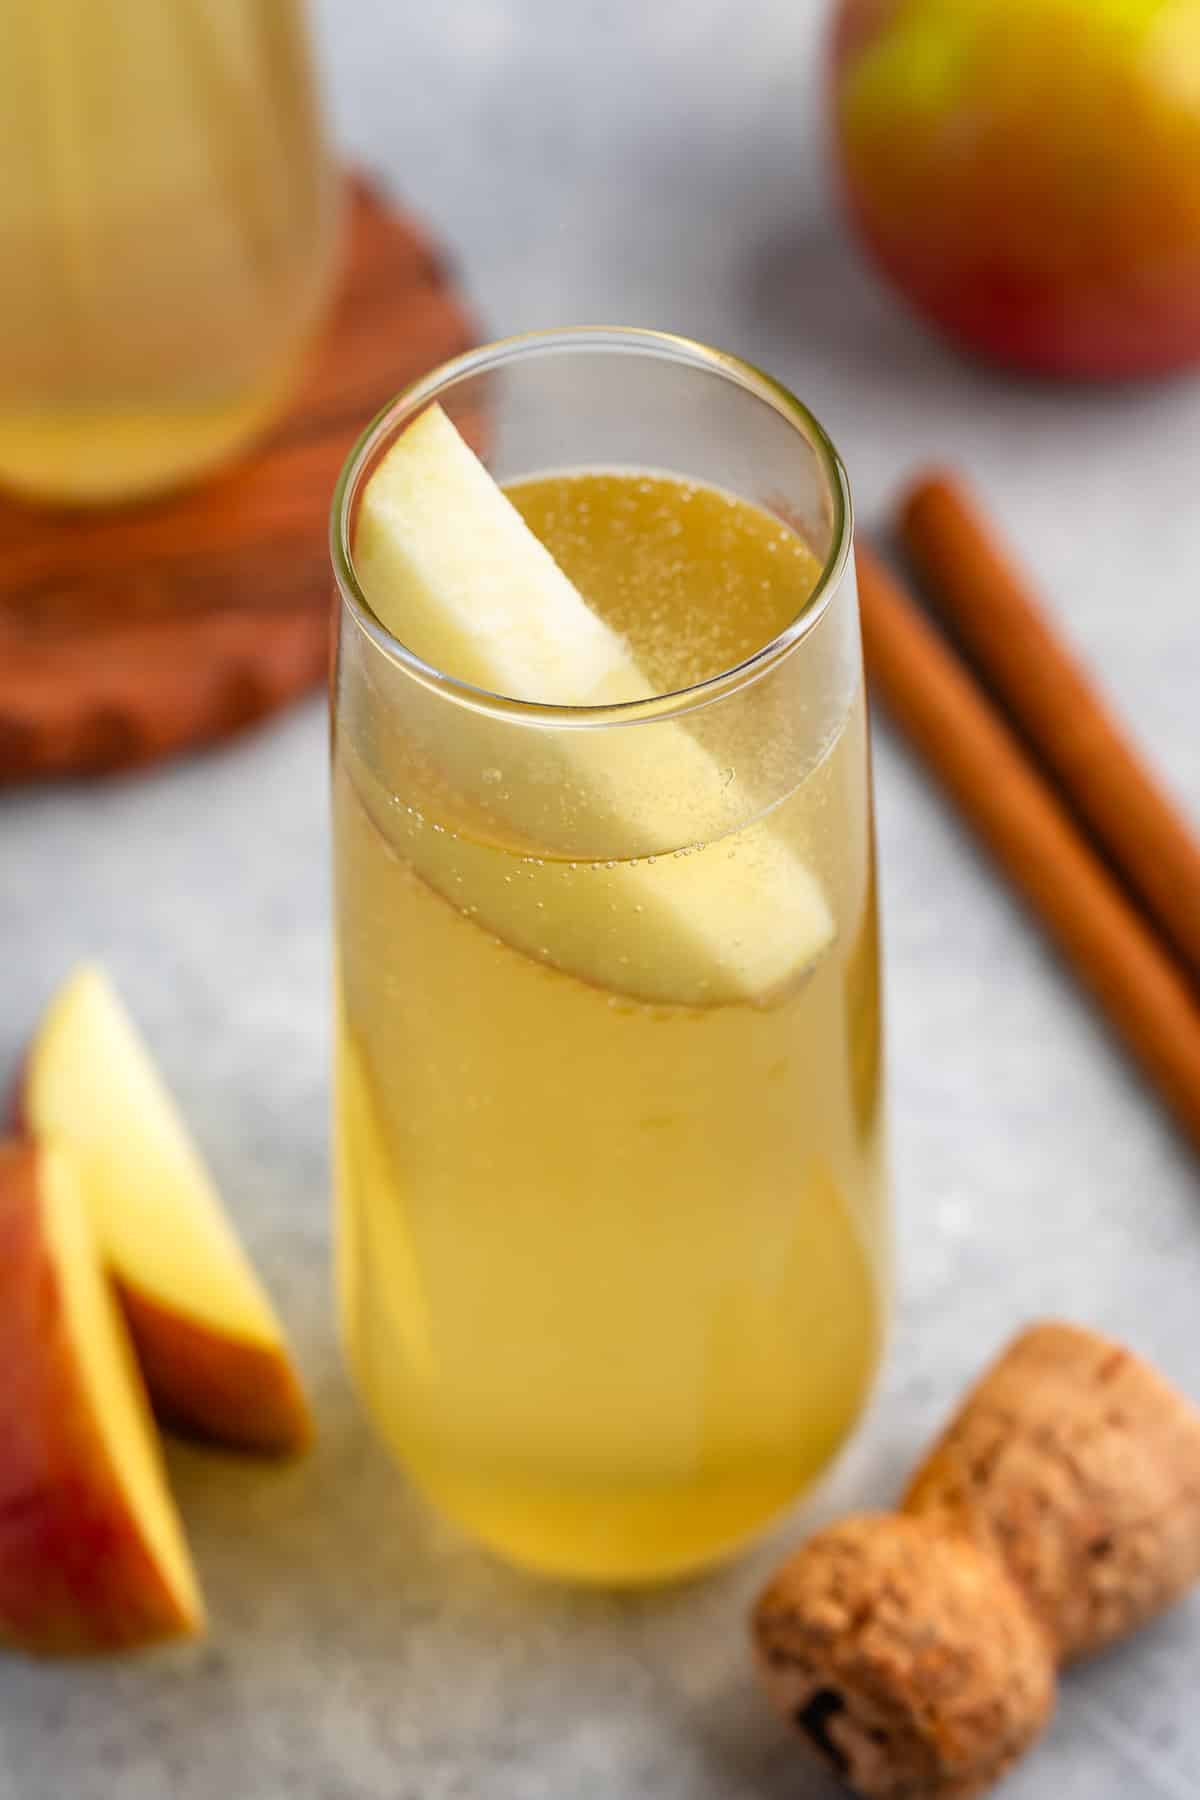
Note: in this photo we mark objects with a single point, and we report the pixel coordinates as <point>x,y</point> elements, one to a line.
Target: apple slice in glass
<point>455,574</point>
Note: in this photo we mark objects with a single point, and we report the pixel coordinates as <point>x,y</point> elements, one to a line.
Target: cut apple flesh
<point>210,1344</point>
<point>92,1554</point>
<point>454,573</point>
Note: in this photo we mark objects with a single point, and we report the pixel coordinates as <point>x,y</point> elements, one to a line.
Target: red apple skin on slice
<point>206,1385</point>
<point>87,1562</point>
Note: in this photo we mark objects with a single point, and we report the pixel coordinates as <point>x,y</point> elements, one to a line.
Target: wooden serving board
<point>129,634</point>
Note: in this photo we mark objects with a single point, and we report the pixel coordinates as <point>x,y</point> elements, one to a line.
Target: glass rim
<point>670,346</point>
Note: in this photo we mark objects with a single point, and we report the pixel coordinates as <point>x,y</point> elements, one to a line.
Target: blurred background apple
<point>1027,172</point>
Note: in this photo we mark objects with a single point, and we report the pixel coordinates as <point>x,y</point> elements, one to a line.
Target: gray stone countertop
<point>652,164</point>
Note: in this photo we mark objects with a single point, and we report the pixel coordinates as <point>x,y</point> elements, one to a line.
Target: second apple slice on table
<point>209,1341</point>
<point>455,574</point>
<point>92,1553</point>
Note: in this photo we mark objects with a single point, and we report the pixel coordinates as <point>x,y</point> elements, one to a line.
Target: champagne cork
<point>916,1653</point>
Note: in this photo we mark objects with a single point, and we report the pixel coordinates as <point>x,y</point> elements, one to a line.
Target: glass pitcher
<point>167,236</point>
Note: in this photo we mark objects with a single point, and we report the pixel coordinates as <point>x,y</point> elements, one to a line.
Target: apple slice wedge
<point>211,1347</point>
<point>92,1554</point>
<point>453,571</point>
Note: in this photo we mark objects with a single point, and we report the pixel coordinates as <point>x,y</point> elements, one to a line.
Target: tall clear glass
<point>612,1242</point>
<point>167,236</point>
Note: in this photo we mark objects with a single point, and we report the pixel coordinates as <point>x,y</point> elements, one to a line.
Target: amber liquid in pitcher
<point>167,235</point>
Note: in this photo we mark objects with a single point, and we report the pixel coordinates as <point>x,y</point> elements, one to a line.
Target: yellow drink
<point>612,1259</point>
<point>166,233</point>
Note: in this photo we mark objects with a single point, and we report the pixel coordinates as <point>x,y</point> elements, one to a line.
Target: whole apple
<point>1027,172</point>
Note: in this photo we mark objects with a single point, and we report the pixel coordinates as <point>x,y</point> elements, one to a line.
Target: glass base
<point>609,1533</point>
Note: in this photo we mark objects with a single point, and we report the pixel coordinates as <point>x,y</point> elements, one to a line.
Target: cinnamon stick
<point>1025,825</point>
<point>992,609</point>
